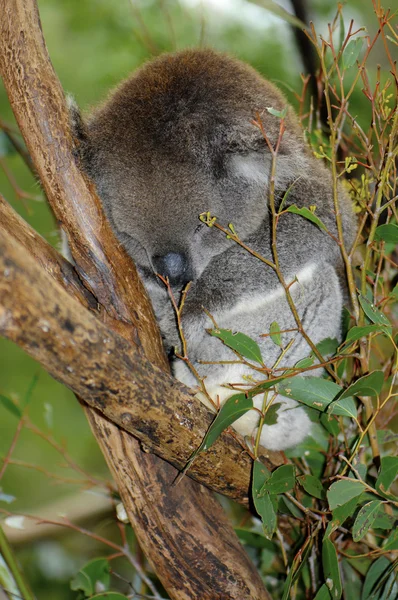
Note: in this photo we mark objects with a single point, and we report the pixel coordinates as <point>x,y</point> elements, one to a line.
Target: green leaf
<point>307,214</point>
<point>387,233</point>
<point>351,52</point>
<point>368,385</point>
<point>10,406</point>
<point>365,519</point>
<point>240,342</point>
<point>331,571</point>
<point>279,11</point>
<point>342,491</point>
<point>344,408</point>
<point>312,486</point>
<point>330,423</point>
<point>262,501</point>
<point>271,416</point>
<point>93,572</point>
<point>281,114</point>
<point>265,385</point>
<point>356,333</point>
<point>109,596</point>
<point>394,292</point>
<point>388,473</point>
<point>374,314</point>
<point>254,539</point>
<point>377,579</point>
<point>341,514</point>
<point>31,388</point>
<point>304,363</point>
<point>352,580</point>
<point>6,147</point>
<point>328,346</point>
<point>281,480</point>
<point>236,406</point>
<point>313,391</point>
<point>275,333</point>
<point>260,476</point>
<point>384,520</point>
<point>323,593</point>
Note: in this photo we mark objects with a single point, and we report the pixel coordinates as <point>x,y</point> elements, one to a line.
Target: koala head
<point>177,139</point>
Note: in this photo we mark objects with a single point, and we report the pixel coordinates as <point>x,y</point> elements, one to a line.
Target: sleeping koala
<point>177,139</point>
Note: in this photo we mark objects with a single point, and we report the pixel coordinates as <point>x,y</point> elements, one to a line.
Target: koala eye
<point>199,227</point>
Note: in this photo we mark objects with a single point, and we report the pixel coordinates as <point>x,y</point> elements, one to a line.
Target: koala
<point>177,139</point>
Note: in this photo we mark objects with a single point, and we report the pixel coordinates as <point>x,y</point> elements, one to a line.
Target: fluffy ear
<point>82,146</point>
<point>254,167</point>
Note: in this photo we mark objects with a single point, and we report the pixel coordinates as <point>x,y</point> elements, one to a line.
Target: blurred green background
<point>94,44</point>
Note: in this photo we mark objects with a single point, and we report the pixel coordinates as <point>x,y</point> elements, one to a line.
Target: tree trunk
<point>182,529</point>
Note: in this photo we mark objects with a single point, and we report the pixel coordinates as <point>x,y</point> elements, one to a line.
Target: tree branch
<point>73,345</point>
<point>183,530</point>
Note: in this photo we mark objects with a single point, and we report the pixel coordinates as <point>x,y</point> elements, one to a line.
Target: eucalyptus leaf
<point>365,519</point>
<point>10,406</point>
<point>94,572</point>
<point>312,486</point>
<point>376,579</point>
<point>275,333</point>
<point>387,233</point>
<point>313,391</point>
<point>271,416</point>
<point>351,52</point>
<point>281,114</point>
<point>356,333</point>
<point>368,385</point>
<point>388,473</point>
<point>254,539</point>
<point>281,480</point>
<point>240,342</point>
<point>331,570</point>
<point>341,514</point>
<point>344,490</point>
<point>344,407</point>
<point>374,314</point>
<point>328,346</point>
<point>279,11</point>
<point>262,500</point>
<point>109,596</point>
<point>236,406</point>
<point>323,593</point>
<point>307,214</point>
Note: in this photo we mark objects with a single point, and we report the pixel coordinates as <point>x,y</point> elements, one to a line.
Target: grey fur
<point>177,139</point>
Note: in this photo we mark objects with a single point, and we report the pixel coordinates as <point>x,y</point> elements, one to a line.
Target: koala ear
<point>254,167</point>
<point>82,145</point>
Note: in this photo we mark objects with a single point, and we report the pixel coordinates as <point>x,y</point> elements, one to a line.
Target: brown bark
<point>73,345</point>
<point>182,529</point>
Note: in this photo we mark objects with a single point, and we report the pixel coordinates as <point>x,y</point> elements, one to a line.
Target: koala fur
<point>177,139</point>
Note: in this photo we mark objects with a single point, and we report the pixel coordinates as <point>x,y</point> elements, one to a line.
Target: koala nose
<point>175,266</point>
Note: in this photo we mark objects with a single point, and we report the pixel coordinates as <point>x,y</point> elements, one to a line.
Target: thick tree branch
<point>97,364</point>
<point>183,531</point>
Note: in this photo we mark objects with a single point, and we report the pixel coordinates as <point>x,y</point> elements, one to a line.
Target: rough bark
<point>183,531</point>
<point>108,372</point>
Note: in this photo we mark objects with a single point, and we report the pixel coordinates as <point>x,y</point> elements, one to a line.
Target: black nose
<point>175,266</point>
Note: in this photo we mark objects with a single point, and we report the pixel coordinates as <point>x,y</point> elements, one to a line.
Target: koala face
<point>177,139</point>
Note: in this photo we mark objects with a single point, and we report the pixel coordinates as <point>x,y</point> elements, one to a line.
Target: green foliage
<point>339,500</point>
<point>240,343</point>
<point>93,575</point>
<point>307,214</point>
